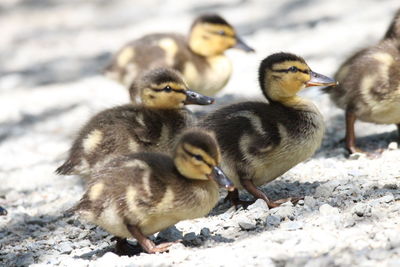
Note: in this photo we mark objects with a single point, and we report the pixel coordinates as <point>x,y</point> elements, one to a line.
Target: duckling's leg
<point>146,243</point>
<point>3,211</point>
<point>233,196</point>
<point>350,134</point>
<point>257,193</point>
<point>398,131</point>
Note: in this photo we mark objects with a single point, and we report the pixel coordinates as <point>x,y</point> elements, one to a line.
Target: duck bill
<point>240,44</point>
<point>197,99</point>
<point>320,80</point>
<point>220,178</point>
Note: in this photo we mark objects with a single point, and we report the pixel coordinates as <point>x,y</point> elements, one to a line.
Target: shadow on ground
<point>12,129</point>
<point>60,70</point>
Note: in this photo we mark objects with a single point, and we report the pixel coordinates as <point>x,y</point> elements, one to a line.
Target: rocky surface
<point>51,52</point>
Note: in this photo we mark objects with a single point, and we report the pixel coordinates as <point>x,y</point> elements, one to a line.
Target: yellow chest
<point>212,79</point>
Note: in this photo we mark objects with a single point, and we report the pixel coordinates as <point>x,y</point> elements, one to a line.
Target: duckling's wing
<point>150,51</point>
<point>242,130</point>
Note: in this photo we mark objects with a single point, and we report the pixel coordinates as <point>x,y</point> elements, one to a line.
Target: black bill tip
<point>240,44</point>
<point>197,99</point>
<point>222,180</point>
<point>320,80</point>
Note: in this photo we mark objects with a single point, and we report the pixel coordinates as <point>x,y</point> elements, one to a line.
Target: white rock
<point>310,201</point>
<point>327,209</point>
<point>393,146</point>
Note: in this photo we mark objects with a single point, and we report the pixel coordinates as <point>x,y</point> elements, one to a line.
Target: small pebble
<point>393,146</point>
<point>356,156</point>
<point>272,220</point>
<point>292,225</point>
<point>170,234</point>
<point>205,232</point>
<point>191,239</point>
<point>246,226</point>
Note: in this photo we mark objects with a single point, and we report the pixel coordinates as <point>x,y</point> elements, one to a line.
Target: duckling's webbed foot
<point>3,211</point>
<point>233,197</point>
<point>146,243</point>
<point>257,193</point>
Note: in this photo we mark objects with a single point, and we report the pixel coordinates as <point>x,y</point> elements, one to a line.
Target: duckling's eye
<point>167,89</point>
<point>221,32</point>
<point>198,157</point>
<point>293,69</point>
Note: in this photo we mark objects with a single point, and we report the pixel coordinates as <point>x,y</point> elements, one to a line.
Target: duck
<point>199,57</point>
<point>152,125</point>
<point>139,194</point>
<point>369,85</point>
<point>260,140</point>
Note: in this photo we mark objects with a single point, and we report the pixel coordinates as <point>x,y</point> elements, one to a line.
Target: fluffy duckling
<point>199,57</point>
<point>139,194</point>
<point>152,126</point>
<point>260,141</point>
<point>369,85</point>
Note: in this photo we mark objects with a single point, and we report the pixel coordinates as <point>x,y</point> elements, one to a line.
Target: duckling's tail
<point>66,168</point>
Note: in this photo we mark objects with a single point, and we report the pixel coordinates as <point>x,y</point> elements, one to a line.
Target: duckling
<point>3,211</point>
<point>260,141</point>
<point>369,85</point>
<point>143,193</point>
<point>151,126</point>
<point>199,57</point>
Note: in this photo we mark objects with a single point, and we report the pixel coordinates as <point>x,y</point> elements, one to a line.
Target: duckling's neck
<point>202,49</point>
<point>295,102</point>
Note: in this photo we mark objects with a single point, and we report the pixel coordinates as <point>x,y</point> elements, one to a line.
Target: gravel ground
<point>51,52</point>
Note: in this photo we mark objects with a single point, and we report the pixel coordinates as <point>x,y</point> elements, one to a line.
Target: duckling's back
<point>369,83</point>
<point>151,51</point>
<point>121,130</point>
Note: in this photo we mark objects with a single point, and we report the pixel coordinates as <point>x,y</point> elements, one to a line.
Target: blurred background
<point>52,52</point>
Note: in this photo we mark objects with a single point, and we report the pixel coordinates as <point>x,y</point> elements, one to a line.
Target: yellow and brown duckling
<point>139,194</point>
<point>369,85</point>
<point>260,141</point>
<point>199,57</point>
<point>151,126</point>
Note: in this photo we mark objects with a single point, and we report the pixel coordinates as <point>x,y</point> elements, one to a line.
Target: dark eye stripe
<point>163,89</point>
<point>193,155</point>
<point>219,33</point>
<point>287,70</point>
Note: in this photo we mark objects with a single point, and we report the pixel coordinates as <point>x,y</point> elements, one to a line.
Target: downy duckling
<point>260,141</point>
<point>199,57</point>
<point>152,126</point>
<point>139,194</point>
<point>369,85</point>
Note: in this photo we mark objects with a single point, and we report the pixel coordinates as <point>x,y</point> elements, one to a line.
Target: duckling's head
<point>164,88</point>
<point>282,75</point>
<point>197,157</point>
<point>211,35</point>
<point>394,28</point>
